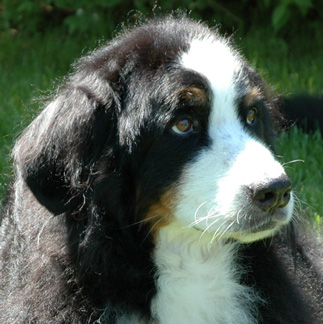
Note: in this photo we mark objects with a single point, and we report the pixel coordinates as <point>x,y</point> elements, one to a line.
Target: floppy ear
<point>56,154</point>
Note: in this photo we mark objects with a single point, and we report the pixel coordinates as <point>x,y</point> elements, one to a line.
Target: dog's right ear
<point>58,152</point>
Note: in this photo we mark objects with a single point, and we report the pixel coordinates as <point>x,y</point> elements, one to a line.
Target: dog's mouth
<point>258,231</point>
<point>257,227</point>
<point>253,233</point>
<point>269,225</point>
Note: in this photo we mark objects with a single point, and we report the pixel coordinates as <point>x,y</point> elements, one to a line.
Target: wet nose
<point>273,194</point>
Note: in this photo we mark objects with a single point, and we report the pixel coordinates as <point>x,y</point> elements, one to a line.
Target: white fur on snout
<point>252,164</point>
<point>213,195</point>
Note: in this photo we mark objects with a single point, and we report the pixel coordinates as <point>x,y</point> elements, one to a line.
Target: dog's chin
<point>242,235</point>
<point>259,227</point>
<point>250,231</point>
<point>257,233</point>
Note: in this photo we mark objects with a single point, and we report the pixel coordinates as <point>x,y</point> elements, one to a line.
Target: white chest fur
<point>198,283</point>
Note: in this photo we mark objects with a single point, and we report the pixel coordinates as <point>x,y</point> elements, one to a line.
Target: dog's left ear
<point>57,154</point>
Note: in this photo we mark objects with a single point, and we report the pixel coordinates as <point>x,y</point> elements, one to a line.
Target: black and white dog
<point>147,191</point>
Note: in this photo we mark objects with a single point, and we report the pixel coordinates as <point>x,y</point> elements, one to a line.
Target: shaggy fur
<point>147,191</point>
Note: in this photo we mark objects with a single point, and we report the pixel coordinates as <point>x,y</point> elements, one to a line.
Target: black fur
<point>73,248</point>
<point>304,111</point>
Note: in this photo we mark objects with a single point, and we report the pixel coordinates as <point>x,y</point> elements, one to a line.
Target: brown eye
<point>183,126</point>
<point>251,116</point>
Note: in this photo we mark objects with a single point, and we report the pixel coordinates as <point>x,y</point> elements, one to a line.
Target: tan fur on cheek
<point>161,213</point>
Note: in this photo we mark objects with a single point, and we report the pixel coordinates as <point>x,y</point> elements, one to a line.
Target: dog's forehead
<point>216,60</point>
<point>223,68</point>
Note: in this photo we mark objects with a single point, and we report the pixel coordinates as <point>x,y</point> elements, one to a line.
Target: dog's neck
<point>198,281</point>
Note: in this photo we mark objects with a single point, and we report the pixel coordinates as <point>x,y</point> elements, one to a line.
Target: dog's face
<point>170,119</point>
<point>216,144</point>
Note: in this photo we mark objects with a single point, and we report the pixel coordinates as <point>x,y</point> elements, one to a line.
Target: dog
<point>304,111</point>
<point>148,191</point>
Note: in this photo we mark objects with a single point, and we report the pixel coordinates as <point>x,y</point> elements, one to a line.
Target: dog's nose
<point>273,194</point>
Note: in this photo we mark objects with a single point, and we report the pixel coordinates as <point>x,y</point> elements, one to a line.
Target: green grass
<point>30,66</point>
<point>292,66</point>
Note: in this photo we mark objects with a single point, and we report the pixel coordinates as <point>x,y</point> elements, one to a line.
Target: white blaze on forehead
<point>220,65</point>
<point>214,59</point>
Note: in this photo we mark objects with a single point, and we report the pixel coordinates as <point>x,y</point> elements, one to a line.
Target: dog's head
<point>167,123</point>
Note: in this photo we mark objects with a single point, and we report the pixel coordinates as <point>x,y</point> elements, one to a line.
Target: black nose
<point>273,194</point>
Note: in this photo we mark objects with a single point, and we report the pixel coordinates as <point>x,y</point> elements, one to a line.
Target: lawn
<point>31,66</point>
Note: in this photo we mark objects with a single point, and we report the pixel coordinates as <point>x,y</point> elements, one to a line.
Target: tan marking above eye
<point>195,95</point>
<point>252,97</point>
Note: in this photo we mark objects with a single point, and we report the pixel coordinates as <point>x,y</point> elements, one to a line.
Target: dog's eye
<point>183,126</point>
<point>251,116</point>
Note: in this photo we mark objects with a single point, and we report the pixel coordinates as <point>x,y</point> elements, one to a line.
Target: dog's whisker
<point>299,207</point>
<point>216,233</point>
<point>212,213</point>
<point>152,228</point>
<point>140,222</point>
<point>208,216</point>
<point>227,229</point>
<point>202,219</point>
<point>293,161</point>
<point>238,213</point>
<point>198,208</point>
<point>210,225</point>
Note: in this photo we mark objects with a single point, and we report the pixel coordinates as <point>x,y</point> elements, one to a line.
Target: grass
<point>29,66</point>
